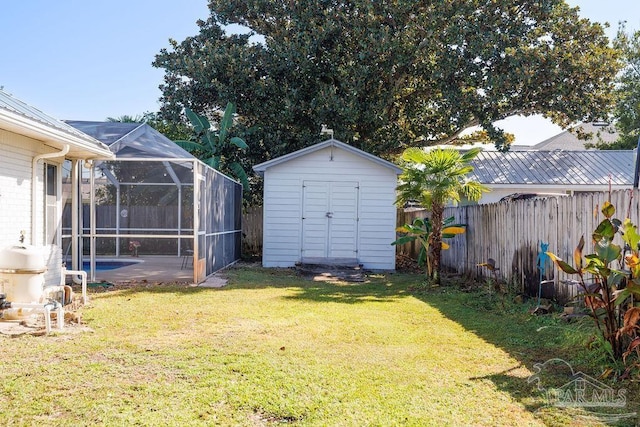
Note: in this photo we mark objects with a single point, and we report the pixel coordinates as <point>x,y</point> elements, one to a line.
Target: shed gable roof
<point>262,167</point>
<point>592,167</point>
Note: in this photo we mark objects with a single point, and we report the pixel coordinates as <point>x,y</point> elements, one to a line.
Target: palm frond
<point>239,142</point>
<point>240,173</point>
<point>199,123</point>
<point>226,122</point>
<point>190,146</point>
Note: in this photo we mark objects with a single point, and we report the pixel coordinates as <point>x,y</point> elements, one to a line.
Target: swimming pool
<point>107,264</point>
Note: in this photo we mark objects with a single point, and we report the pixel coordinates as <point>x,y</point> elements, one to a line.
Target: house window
<point>51,192</point>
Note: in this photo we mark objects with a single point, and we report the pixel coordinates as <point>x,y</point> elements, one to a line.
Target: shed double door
<point>329,219</point>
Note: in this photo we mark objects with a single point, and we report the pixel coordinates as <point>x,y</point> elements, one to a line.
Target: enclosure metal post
<point>118,220</point>
<point>179,219</point>
<point>76,215</point>
<point>92,221</point>
<point>196,219</point>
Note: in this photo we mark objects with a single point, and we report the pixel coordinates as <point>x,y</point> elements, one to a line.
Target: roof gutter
<point>34,176</point>
<point>23,125</point>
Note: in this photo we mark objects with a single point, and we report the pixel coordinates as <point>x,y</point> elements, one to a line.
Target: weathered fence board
<point>252,231</point>
<point>510,233</point>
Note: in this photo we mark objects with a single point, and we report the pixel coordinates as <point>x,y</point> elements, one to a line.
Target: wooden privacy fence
<point>138,220</point>
<point>511,233</point>
<point>252,231</point>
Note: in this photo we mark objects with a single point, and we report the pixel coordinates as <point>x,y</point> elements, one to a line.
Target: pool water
<point>107,265</point>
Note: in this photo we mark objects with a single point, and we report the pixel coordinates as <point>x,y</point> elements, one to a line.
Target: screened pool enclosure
<point>155,199</point>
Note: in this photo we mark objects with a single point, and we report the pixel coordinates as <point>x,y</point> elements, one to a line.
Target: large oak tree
<point>386,75</point>
<point>627,109</point>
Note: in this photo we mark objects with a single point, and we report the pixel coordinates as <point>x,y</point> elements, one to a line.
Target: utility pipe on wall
<point>34,187</point>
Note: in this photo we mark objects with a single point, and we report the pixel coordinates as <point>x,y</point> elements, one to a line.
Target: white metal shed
<point>329,201</point>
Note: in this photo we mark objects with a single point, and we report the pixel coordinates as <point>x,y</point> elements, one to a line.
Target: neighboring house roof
<point>588,167</point>
<point>568,140</point>
<point>319,146</point>
<point>132,140</point>
<point>23,119</point>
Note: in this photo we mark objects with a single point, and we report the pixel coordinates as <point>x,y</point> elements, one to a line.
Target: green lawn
<point>273,348</point>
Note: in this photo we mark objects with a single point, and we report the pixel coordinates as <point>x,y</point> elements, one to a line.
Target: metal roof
<point>11,106</point>
<point>555,167</point>
<point>319,146</point>
<point>568,140</point>
<point>132,140</point>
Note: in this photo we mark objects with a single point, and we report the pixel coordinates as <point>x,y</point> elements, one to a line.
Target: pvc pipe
<point>46,308</point>
<point>82,274</point>
<point>34,177</point>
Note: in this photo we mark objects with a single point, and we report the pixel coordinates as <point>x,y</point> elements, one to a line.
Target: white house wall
<point>283,206</point>
<point>16,157</point>
<point>499,191</point>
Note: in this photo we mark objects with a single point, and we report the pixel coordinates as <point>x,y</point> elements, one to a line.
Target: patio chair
<point>186,256</point>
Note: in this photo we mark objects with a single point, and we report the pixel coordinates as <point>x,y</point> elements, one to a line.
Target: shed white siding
<point>283,205</point>
<point>498,192</point>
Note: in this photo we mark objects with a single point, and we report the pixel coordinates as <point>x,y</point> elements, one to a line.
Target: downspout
<point>34,176</point>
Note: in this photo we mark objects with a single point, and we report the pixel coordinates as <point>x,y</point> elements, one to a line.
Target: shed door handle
<point>329,214</point>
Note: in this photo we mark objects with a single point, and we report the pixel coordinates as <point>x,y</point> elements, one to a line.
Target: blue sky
<point>89,60</point>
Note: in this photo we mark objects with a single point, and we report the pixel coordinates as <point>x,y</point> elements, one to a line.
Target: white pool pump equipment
<point>22,269</point>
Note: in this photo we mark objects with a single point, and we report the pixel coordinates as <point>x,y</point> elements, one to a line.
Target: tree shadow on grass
<point>349,293</point>
<point>526,338</point>
<point>533,341</point>
<point>322,288</point>
<point>376,287</point>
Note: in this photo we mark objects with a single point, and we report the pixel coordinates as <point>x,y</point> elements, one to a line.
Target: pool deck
<point>152,269</point>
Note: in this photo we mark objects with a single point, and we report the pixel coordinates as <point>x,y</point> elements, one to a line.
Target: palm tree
<point>434,178</point>
<point>126,119</point>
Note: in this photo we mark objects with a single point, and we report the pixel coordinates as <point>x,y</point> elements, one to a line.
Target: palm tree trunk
<point>437,212</point>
